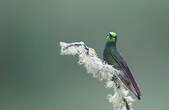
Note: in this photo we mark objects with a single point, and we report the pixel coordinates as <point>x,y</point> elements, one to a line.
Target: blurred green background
<point>33,74</point>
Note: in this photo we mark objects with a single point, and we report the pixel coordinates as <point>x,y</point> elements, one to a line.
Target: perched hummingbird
<point>112,56</point>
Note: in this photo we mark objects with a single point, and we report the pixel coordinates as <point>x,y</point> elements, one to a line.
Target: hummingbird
<point>112,56</point>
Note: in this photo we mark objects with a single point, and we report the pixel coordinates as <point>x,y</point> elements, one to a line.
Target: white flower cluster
<point>121,99</point>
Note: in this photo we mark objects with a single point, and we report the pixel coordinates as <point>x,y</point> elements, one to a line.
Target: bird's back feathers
<point>113,57</point>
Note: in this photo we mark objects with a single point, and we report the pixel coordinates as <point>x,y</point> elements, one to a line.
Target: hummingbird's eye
<point>112,34</point>
<point>111,37</point>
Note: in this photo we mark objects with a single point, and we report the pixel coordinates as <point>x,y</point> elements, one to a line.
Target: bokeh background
<point>33,74</point>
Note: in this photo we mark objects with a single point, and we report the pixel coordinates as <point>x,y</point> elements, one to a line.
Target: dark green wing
<point>114,58</point>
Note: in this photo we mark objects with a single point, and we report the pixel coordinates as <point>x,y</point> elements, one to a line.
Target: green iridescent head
<point>111,37</point>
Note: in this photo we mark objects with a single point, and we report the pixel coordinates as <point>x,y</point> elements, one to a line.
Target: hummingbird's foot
<point>115,80</point>
<point>117,85</point>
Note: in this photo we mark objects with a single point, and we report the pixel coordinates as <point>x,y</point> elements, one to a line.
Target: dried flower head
<point>121,99</point>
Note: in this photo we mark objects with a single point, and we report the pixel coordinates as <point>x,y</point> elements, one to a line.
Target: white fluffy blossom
<point>121,99</point>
